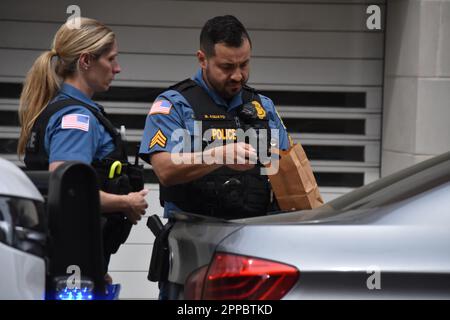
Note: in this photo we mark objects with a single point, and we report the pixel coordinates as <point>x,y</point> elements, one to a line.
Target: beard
<point>227,89</point>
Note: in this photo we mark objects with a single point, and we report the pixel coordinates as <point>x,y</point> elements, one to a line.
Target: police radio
<point>260,133</point>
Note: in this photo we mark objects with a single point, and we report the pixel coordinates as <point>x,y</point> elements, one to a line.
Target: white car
<point>22,236</point>
<point>51,245</point>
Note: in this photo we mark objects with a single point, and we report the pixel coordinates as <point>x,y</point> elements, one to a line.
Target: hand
<point>237,156</point>
<point>136,205</point>
<point>242,155</point>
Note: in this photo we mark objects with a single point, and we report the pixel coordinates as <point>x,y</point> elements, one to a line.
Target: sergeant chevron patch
<point>158,139</point>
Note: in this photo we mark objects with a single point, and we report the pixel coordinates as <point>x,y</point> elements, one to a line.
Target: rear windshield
<point>393,188</point>
<point>399,186</point>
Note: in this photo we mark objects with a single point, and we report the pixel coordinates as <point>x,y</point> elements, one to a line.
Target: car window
<point>397,187</point>
<point>18,212</point>
<point>391,189</point>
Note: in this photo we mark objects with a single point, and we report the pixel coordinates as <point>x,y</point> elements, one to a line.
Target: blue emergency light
<point>81,291</point>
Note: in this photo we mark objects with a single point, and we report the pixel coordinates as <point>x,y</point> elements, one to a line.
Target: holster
<point>159,264</point>
<point>116,226</point>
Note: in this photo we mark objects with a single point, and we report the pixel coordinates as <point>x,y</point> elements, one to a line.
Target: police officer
<point>213,105</point>
<point>60,122</point>
<point>202,119</point>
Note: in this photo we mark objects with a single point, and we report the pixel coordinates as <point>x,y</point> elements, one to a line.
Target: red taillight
<point>235,277</point>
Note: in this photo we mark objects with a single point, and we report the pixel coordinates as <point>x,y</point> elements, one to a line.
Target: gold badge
<point>261,113</point>
<point>159,138</point>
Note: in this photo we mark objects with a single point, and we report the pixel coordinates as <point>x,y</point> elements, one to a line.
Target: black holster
<point>159,264</point>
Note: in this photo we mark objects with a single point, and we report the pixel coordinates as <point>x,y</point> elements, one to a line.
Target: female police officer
<point>59,120</point>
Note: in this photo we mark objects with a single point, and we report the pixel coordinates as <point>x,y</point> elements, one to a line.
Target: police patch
<point>223,134</point>
<point>158,139</point>
<point>261,113</point>
<point>161,107</point>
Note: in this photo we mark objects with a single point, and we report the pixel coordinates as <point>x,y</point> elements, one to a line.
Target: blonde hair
<point>43,79</point>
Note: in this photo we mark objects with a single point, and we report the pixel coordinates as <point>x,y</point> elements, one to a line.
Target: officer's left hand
<point>136,205</point>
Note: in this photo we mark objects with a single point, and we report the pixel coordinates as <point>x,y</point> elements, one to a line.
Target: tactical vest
<point>224,193</point>
<point>115,226</point>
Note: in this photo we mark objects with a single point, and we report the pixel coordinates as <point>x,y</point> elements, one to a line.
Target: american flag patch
<point>75,121</point>
<point>160,107</point>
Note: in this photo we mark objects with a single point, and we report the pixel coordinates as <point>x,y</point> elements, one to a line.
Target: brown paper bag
<point>294,184</point>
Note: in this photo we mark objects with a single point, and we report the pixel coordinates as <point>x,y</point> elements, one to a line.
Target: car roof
<point>15,183</point>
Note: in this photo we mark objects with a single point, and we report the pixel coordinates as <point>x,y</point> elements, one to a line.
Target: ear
<point>201,57</point>
<point>85,61</point>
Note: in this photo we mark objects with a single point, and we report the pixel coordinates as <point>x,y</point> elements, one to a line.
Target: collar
<point>236,101</point>
<point>74,93</point>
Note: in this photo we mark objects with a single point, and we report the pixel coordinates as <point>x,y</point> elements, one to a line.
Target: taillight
<point>235,277</point>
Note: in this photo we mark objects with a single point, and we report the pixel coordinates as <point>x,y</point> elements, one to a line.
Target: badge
<point>260,112</point>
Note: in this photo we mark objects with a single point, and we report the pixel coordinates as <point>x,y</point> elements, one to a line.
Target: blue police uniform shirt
<point>171,111</point>
<point>74,133</point>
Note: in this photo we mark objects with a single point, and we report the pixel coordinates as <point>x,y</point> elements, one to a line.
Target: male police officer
<point>217,99</point>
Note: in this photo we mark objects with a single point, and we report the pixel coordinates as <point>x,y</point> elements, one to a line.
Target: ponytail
<point>41,85</point>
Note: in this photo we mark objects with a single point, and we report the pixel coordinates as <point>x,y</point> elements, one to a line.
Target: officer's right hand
<point>136,205</point>
<point>240,156</point>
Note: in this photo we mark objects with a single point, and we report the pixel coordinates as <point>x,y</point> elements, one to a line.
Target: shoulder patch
<point>75,121</point>
<point>160,107</point>
<point>158,139</point>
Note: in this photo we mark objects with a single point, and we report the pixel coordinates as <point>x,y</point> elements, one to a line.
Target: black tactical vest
<point>115,226</point>
<point>36,157</point>
<point>224,193</point>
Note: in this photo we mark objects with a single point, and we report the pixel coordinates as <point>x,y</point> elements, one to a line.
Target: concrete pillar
<point>416,108</point>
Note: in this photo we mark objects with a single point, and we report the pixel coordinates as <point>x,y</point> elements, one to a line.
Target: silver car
<point>387,240</point>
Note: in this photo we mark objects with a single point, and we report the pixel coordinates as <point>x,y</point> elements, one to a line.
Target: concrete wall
<point>416,111</point>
